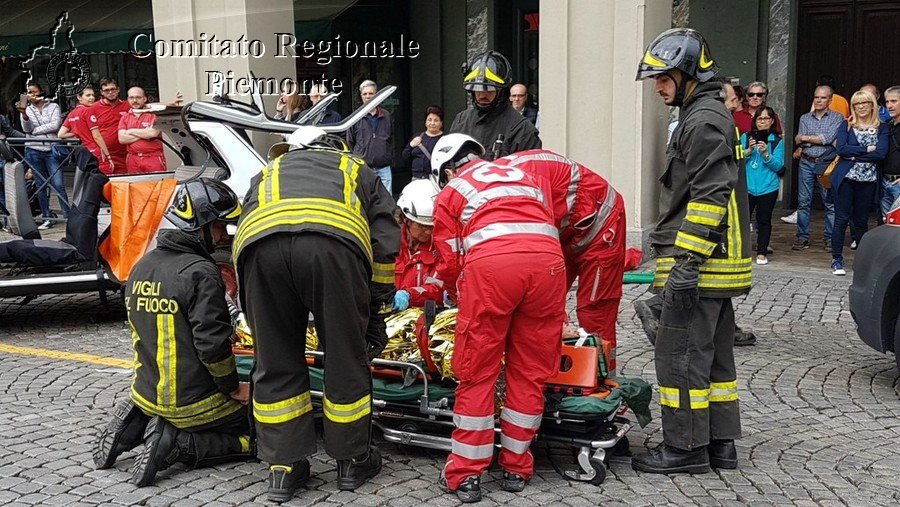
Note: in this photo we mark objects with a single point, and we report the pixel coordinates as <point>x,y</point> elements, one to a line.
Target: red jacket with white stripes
<point>416,272</point>
<point>490,209</point>
<point>580,196</point>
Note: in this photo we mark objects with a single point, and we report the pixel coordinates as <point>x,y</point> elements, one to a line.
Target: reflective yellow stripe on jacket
<point>714,273</point>
<point>298,211</point>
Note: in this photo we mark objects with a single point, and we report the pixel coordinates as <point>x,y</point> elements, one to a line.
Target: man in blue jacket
<point>372,138</point>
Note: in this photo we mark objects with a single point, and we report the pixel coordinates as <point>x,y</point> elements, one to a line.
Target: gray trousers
<point>695,370</point>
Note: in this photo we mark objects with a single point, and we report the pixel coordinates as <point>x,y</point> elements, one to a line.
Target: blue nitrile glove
<point>401,300</point>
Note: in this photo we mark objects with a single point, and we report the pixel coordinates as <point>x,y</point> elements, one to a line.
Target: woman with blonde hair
<point>862,143</point>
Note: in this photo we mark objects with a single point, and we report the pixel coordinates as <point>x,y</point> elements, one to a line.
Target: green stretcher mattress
<point>634,393</point>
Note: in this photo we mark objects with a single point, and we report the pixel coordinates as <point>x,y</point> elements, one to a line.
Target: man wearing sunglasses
<point>757,93</point>
<point>103,119</point>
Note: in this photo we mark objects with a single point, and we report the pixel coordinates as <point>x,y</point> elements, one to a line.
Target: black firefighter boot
<point>159,441</point>
<point>285,479</point>
<point>122,434</point>
<point>353,473</point>
<point>666,459</point>
<point>722,454</point>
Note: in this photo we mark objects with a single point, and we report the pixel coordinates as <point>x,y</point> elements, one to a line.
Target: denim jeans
<point>890,191</point>
<point>851,204</point>
<point>44,165</point>
<point>806,181</point>
<point>385,174</point>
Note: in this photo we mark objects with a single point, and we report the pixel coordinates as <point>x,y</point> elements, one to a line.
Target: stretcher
<point>413,405</point>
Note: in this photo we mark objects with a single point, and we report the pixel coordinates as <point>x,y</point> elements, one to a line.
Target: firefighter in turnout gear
<point>493,122</point>
<point>497,242</point>
<point>185,389</point>
<point>317,235</point>
<point>702,244</point>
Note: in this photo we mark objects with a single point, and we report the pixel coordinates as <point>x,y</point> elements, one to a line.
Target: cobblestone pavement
<point>820,410</point>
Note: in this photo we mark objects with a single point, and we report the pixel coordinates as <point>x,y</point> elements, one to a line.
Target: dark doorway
<point>853,40</point>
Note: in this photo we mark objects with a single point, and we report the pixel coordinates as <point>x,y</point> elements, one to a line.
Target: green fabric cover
<point>635,393</point>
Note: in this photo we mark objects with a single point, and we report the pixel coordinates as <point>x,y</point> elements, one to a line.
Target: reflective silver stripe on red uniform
<point>521,420</point>
<point>473,423</point>
<point>485,196</point>
<point>603,213</point>
<point>497,230</point>
<point>485,451</point>
<point>574,178</point>
<point>434,281</point>
<point>514,445</point>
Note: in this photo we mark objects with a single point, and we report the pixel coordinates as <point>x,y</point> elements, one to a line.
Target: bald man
<point>518,96</point>
<point>140,138</point>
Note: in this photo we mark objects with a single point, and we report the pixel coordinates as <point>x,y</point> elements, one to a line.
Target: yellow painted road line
<point>68,356</point>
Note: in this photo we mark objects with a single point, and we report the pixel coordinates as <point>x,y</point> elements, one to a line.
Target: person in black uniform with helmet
<point>493,122</point>
<point>317,235</point>
<point>186,403</point>
<point>702,245</point>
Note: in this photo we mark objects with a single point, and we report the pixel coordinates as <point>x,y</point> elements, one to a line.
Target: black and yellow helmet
<point>203,201</point>
<point>679,48</point>
<point>489,71</point>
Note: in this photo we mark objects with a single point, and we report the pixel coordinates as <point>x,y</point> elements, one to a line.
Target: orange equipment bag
<point>137,210</point>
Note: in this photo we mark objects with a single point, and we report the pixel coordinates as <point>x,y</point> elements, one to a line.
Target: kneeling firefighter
<point>186,402</point>
<point>497,242</point>
<point>317,235</point>
<point>703,248</point>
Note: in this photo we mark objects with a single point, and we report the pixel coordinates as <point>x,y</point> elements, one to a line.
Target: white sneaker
<point>762,261</point>
<point>790,219</point>
<point>853,246</point>
<point>46,225</point>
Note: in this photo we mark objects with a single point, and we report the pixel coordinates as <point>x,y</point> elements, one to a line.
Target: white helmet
<point>303,137</point>
<point>450,148</point>
<point>417,201</point>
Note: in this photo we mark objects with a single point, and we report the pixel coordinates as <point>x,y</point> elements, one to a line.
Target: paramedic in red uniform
<point>416,276</point>
<point>590,216</point>
<point>498,245</point>
<point>103,120</point>
<point>141,140</point>
<point>76,123</point>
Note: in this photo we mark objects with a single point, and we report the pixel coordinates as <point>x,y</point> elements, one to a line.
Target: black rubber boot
<point>669,460</point>
<point>469,490</point>
<point>649,317</point>
<point>122,434</point>
<point>214,448</point>
<point>285,479</point>
<point>159,442</point>
<point>353,473</point>
<point>722,454</point>
<point>512,482</point>
<point>743,338</point>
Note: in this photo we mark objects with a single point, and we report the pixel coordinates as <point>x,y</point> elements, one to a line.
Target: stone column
<point>227,20</point>
<point>589,52</point>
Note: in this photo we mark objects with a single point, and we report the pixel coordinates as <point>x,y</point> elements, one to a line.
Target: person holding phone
<point>764,150</point>
<point>42,119</point>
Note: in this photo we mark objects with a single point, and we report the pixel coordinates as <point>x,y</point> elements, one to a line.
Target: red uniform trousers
<point>600,268</point>
<point>144,163</point>
<point>510,305</point>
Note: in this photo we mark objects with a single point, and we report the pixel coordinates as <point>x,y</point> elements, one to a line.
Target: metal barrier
<point>14,147</point>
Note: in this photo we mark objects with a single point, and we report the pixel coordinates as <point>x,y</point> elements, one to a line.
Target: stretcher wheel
<point>599,467</point>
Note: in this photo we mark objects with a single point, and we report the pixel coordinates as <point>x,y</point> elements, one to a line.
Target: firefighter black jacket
<point>518,132</point>
<point>329,192</point>
<point>184,366</point>
<point>703,209</point>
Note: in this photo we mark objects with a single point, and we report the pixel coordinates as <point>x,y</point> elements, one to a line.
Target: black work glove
<point>681,292</point>
<point>376,331</point>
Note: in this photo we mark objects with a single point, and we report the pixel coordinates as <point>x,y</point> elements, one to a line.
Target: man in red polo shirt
<point>103,119</point>
<point>141,140</point>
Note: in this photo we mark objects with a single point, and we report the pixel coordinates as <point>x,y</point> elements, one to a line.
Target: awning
<point>110,41</point>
